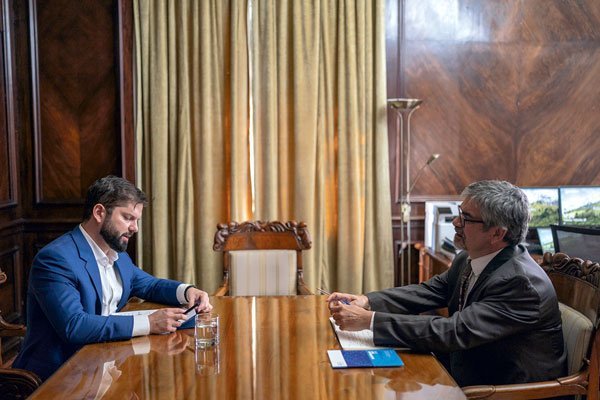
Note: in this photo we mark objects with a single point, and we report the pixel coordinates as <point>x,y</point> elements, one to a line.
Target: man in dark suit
<point>81,279</point>
<point>504,325</point>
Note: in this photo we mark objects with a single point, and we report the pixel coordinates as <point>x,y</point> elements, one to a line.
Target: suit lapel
<point>87,255</point>
<point>506,254</point>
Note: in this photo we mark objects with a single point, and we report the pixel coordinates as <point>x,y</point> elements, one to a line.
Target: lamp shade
<point>404,104</point>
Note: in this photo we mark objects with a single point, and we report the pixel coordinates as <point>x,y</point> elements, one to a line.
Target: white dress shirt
<point>112,286</point>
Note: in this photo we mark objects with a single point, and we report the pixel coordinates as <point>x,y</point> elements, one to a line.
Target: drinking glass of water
<point>207,330</point>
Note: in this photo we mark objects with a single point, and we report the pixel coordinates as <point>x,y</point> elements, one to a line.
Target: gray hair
<point>502,204</point>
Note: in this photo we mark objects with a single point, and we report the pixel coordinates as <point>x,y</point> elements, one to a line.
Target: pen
<point>343,301</point>
<point>191,308</point>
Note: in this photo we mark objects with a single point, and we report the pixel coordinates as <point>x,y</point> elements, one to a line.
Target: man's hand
<point>166,320</point>
<point>351,317</point>
<point>358,300</point>
<point>198,297</point>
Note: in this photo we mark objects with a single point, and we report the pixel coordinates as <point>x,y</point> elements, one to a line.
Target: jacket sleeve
<point>412,299</point>
<point>510,306</point>
<point>57,290</point>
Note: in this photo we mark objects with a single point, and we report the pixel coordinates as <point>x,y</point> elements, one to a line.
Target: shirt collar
<point>102,258</point>
<point>478,264</point>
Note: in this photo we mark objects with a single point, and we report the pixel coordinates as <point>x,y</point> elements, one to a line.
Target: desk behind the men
<point>270,346</point>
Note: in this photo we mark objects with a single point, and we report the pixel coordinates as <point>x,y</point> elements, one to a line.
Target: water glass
<point>206,330</point>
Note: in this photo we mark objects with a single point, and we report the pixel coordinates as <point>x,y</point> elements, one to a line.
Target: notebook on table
<point>357,340</point>
<point>360,351</point>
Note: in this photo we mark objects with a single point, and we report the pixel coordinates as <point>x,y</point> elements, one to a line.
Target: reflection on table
<point>269,346</point>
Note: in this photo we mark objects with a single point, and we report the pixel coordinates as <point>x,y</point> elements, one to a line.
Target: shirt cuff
<point>141,325</point>
<point>181,293</point>
<point>372,320</point>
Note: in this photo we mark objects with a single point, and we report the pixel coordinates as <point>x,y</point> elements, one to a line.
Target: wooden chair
<point>262,258</point>
<point>577,284</point>
<point>14,383</point>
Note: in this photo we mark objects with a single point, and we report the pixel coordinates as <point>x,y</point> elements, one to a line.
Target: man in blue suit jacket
<point>81,279</point>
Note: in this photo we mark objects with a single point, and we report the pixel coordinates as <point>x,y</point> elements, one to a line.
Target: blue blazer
<point>64,303</point>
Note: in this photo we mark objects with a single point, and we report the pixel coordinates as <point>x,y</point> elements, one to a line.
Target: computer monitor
<point>576,241</point>
<point>544,204</point>
<point>546,240</point>
<point>580,205</point>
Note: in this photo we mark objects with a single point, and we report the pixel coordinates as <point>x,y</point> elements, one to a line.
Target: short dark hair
<point>111,191</point>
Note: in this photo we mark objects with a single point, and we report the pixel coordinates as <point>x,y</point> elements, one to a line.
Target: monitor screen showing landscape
<point>544,204</point>
<point>546,240</point>
<point>580,205</point>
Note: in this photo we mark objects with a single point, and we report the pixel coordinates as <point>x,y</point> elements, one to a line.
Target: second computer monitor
<point>580,205</point>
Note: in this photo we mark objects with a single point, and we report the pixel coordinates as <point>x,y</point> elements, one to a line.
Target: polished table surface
<point>270,348</point>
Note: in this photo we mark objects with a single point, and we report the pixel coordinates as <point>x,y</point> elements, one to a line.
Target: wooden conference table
<point>270,348</point>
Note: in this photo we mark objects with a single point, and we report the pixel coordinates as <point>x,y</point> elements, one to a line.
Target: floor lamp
<point>403,187</point>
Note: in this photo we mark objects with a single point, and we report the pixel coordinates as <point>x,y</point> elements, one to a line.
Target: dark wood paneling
<point>10,296</point>
<point>75,92</point>
<point>8,153</point>
<point>125,31</point>
<point>505,84</point>
<point>510,91</point>
<point>62,100</point>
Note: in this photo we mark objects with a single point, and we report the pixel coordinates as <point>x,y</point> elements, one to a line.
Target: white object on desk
<point>136,312</point>
<point>354,340</point>
<point>357,340</point>
<point>148,312</point>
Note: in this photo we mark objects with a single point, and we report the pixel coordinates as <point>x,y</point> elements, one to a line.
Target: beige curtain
<point>191,128</point>
<point>320,134</point>
<point>309,105</point>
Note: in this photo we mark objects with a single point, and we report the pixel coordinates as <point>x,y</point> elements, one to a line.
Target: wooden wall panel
<point>510,89</point>
<point>8,153</point>
<point>61,79</point>
<point>75,84</point>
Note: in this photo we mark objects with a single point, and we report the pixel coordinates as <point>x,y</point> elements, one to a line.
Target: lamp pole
<point>402,181</point>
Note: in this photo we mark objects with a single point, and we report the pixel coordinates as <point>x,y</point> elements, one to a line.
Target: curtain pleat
<point>191,127</point>
<point>310,128</point>
<point>320,134</point>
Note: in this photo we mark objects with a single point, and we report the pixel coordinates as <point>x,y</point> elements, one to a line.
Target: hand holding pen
<point>334,296</point>
<point>346,298</point>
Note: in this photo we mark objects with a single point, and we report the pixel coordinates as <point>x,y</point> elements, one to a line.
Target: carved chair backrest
<point>262,257</point>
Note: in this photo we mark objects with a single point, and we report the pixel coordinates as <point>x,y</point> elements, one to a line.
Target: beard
<point>114,238</point>
<point>459,240</point>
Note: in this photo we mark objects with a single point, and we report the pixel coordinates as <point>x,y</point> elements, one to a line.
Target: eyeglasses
<point>464,218</point>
